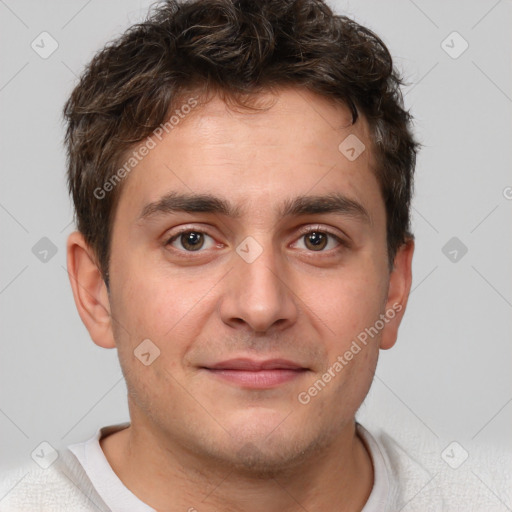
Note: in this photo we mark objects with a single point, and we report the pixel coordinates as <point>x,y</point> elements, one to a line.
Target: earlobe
<point>398,293</point>
<point>89,291</point>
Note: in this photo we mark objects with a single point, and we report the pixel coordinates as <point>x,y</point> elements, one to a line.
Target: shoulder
<point>408,477</point>
<point>427,473</point>
<point>63,486</point>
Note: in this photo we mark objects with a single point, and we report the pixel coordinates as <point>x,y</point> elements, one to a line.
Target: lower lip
<point>258,379</point>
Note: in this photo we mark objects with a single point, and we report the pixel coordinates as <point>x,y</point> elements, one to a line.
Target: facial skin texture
<point>195,439</point>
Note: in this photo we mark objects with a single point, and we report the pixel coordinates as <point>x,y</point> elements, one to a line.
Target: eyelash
<point>343,244</point>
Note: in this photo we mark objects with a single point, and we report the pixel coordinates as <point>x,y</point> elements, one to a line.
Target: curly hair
<point>239,48</point>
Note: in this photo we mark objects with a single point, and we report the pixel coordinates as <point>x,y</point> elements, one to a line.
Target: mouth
<point>250,373</point>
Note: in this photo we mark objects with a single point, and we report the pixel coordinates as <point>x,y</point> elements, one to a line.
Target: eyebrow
<point>336,203</point>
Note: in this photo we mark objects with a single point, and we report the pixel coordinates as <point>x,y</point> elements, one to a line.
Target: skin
<point>195,440</point>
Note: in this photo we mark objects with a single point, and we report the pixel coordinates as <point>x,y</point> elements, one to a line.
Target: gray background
<point>448,376</point>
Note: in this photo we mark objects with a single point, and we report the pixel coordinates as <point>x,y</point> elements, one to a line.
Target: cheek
<point>156,303</point>
<point>170,311</point>
<point>351,302</point>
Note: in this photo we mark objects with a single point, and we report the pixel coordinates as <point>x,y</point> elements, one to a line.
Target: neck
<point>336,477</point>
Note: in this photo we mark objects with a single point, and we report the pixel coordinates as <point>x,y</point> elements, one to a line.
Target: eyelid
<point>186,229</point>
<point>303,230</point>
<point>341,238</point>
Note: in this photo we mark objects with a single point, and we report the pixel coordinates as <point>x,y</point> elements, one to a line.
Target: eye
<point>317,240</point>
<point>191,240</point>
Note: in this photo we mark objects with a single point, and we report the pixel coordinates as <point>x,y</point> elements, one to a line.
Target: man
<point>242,175</point>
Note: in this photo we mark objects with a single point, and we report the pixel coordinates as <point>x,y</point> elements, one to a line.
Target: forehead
<point>294,143</point>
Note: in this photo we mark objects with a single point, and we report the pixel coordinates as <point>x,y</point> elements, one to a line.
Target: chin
<point>266,462</point>
<point>267,447</point>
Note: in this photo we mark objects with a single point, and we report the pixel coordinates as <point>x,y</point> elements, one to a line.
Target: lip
<point>247,364</point>
<point>250,373</point>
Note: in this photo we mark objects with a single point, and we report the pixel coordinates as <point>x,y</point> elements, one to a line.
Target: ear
<point>399,288</point>
<point>89,291</point>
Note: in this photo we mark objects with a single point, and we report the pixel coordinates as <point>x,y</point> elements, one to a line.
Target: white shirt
<point>118,498</point>
<point>82,480</point>
<point>108,485</point>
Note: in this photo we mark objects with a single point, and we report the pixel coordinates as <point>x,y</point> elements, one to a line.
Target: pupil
<point>191,239</point>
<point>317,239</point>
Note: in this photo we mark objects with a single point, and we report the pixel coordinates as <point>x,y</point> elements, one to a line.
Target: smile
<point>256,374</point>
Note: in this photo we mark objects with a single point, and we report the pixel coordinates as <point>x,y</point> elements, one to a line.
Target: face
<point>254,291</point>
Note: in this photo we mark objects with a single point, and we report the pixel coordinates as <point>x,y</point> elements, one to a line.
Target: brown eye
<point>320,240</point>
<point>316,240</point>
<point>192,240</point>
<point>189,240</point>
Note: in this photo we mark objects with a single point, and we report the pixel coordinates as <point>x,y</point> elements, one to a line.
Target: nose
<point>256,296</point>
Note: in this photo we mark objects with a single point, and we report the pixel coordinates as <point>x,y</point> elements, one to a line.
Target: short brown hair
<point>241,48</point>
